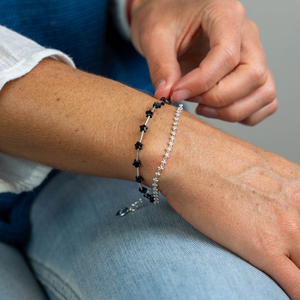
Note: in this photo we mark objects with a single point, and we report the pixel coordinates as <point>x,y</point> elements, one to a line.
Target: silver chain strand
<point>155,192</point>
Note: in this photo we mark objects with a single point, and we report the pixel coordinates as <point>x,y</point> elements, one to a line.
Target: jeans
<point>79,249</point>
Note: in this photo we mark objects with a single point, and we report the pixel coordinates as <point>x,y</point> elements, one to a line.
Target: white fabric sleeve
<point>18,56</point>
<point>119,13</point>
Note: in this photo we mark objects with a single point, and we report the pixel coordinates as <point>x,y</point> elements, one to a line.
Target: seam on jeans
<point>56,276</point>
<point>51,288</point>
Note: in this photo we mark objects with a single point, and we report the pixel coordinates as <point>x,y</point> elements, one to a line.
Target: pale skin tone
<point>206,51</point>
<point>243,197</point>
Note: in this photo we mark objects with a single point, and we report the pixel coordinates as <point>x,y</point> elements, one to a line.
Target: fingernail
<point>208,112</point>
<point>180,95</point>
<point>160,85</point>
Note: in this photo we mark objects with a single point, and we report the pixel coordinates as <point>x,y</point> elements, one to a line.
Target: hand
<point>216,49</point>
<point>245,198</point>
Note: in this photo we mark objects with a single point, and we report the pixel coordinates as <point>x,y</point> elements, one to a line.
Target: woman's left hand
<point>206,51</point>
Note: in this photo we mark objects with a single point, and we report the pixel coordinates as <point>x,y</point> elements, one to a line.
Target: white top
<point>18,56</point>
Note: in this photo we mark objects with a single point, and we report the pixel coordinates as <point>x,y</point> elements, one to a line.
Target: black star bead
<point>143,128</point>
<point>139,179</point>
<point>149,113</point>
<point>143,190</point>
<point>138,146</point>
<point>151,199</point>
<point>163,99</point>
<point>137,163</point>
<point>157,105</point>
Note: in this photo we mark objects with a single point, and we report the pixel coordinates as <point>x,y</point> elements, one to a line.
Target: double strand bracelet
<point>154,196</point>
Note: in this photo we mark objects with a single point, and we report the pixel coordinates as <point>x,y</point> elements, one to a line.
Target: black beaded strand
<point>137,163</point>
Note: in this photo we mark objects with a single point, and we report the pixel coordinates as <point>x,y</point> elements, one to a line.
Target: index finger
<point>224,33</point>
<point>287,275</point>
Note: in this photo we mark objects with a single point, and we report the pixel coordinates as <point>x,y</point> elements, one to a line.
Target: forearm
<point>75,121</point>
<point>79,122</point>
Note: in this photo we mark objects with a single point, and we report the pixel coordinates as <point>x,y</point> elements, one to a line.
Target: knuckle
<point>274,106</point>
<point>232,53</point>
<point>238,8</point>
<point>265,242</point>
<point>208,80</point>
<point>233,116</point>
<point>270,93</point>
<point>250,121</point>
<point>219,100</point>
<point>259,75</point>
<point>155,67</point>
<point>253,26</point>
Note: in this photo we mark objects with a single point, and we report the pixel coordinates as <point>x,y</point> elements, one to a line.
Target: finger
<point>251,74</point>
<point>295,257</point>
<point>224,32</point>
<point>261,114</point>
<point>162,61</point>
<point>241,109</point>
<point>287,275</point>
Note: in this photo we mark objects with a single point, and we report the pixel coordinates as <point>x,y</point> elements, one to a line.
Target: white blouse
<point>18,56</point>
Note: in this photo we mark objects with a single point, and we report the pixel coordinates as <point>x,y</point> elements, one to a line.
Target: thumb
<point>163,66</point>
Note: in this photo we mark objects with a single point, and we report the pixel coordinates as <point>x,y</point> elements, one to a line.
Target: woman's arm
<point>75,121</point>
<point>243,197</point>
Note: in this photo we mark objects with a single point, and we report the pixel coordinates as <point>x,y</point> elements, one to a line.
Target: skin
<point>245,198</point>
<point>206,51</point>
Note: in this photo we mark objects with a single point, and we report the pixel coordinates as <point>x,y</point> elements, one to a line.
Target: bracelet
<point>160,168</point>
<point>154,197</point>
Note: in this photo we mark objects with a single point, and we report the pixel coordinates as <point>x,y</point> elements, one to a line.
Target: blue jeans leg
<point>80,250</point>
<point>16,280</point>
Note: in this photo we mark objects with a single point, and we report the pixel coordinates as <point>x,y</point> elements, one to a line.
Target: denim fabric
<point>79,249</point>
<point>16,279</point>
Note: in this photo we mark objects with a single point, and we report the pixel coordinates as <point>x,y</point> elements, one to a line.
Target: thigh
<point>79,249</point>
<point>16,280</point>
